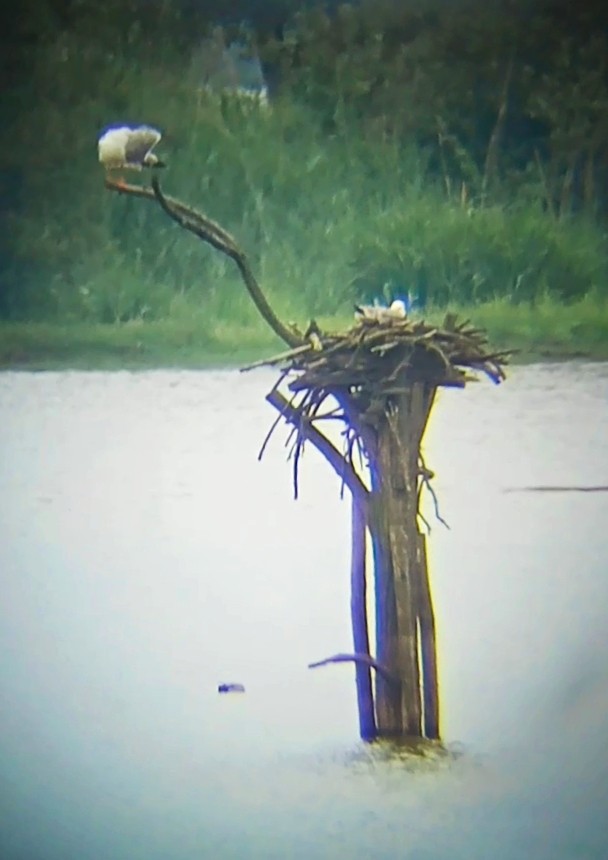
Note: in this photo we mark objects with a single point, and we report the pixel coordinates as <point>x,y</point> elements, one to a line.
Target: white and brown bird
<point>129,148</point>
<point>377,313</point>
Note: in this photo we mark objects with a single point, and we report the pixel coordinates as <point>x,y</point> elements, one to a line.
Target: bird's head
<point>399,308</point>
<point>151,160</point>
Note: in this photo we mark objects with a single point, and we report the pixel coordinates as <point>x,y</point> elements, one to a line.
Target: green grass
<point>96,346</point>
<point>548,330</point>
<point>327,218</point>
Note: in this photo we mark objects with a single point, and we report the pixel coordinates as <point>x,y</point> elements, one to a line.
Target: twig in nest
<point>296,462</point>
<point>277,420</point>
<point>278,359</point>
<point>290,441</point>
<point>316,402</point>
<point>293,415</point>
<point>350,438</point>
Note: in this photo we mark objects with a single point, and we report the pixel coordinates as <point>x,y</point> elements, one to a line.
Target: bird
<point>380,313</point>
<point>129,148</point>
<point>398,309</point>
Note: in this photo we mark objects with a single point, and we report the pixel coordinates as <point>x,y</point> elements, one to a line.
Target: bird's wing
<point>140,142</point>
<point>112,144</point>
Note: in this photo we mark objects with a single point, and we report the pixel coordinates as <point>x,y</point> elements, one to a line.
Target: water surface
<point>147,556</point>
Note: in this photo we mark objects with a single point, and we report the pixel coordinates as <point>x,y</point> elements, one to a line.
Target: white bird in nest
<point>129,148</point>
<point>396,312</point>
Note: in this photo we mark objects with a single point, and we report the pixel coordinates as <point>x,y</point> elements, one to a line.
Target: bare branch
<point>210,232</point>
<point>277,420</point>
<point>357,658</point>
<point>343,470</point>
<point>425,477</point>
<point>278,359</point>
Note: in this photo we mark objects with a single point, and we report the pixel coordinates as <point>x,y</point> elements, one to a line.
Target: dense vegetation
<point>456,151</point>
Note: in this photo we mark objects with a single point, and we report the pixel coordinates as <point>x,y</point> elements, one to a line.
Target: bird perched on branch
<point>380,313</point>
<point>129,148</point>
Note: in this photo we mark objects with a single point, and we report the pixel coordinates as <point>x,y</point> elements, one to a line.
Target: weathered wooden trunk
<point>408,705</point>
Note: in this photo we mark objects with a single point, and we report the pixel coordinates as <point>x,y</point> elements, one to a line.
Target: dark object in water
<point>588,489</point>
<point>231,688</point>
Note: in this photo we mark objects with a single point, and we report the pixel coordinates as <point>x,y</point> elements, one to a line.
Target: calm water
<point>147,556</point>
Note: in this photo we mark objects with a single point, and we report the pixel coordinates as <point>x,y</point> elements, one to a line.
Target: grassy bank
<point>546,331</point>
<point>331,204</point>
<point>327,214</point>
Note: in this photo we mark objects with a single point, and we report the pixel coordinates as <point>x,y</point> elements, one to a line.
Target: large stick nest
<point>364,369</point>
<point>376,359</point>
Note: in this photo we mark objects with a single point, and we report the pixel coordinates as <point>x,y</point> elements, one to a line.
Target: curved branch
<point>213,234</point>
<point>172,203</point>
<point>200,225</point>
<point>365,659</point>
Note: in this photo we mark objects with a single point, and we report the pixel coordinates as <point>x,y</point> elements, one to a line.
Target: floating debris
<point>231,688</point>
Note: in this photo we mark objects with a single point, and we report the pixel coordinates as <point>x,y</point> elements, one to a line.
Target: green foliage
<point>444,253</point>
<point>189,338</point>
<point>381,166</point>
